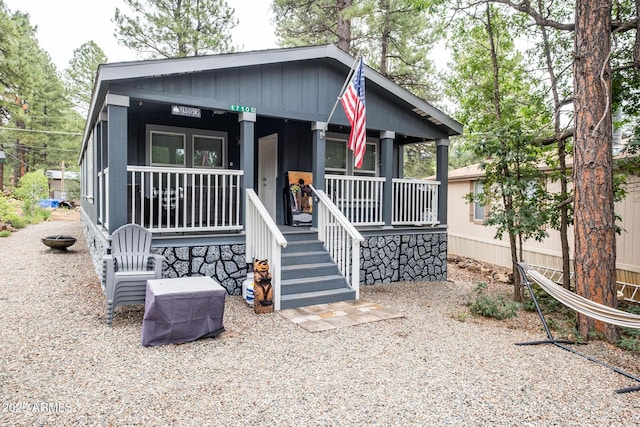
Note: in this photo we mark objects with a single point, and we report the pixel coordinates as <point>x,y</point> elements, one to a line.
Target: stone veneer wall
<point>383,259</point>
<point>409,257</point>
<point>96,242</point>
<point>224,263</point>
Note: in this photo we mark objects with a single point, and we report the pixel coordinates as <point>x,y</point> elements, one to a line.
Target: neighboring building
<point>182,146</point>
<point>469,237</point>
<point>58,187</point>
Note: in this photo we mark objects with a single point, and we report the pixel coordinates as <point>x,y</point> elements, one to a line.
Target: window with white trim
<point>478,207</point>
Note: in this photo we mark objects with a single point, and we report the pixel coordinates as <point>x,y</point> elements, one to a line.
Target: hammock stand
<point>522,269</point>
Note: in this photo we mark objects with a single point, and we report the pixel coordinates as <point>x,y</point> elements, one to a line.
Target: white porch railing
<point>264,240</point>
<point>359,198</point>
<point>415,202</point>
<point>341,239</point>
<point>166,199</point>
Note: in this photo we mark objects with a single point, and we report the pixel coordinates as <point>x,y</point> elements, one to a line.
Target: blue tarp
<point>49,203</point>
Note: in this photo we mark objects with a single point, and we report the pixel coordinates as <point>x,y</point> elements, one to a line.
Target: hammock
<point>582,305</point>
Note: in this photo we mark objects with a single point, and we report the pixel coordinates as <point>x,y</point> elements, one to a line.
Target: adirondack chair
<point>128,267</point>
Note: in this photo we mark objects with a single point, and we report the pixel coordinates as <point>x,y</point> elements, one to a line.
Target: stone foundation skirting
<point>383,259</point>
<point>224,263</point>
<point>409,257</point>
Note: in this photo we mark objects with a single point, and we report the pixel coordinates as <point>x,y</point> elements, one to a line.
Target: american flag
<point>353,102</point>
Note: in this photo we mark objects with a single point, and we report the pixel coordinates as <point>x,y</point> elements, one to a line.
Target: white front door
<point>268,172</point>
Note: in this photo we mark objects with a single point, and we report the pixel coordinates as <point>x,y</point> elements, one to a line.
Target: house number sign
<point>181,110</point>
<point>242,108</point>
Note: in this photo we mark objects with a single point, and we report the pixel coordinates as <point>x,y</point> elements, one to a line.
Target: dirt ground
<point>62,214</point>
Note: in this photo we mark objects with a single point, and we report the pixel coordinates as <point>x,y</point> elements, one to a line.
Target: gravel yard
<point>61,365</point>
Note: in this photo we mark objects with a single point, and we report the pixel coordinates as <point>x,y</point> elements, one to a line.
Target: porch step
<point>305,258</point>
<point>313,298</point>
<point>311,284</point>
<point>309,275</point>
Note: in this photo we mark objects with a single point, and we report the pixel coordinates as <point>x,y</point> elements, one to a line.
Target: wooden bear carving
<point>262,289</point>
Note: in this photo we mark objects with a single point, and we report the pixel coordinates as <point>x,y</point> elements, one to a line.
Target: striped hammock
<point>581,304</point>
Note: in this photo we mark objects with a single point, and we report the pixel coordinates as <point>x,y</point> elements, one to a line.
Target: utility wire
<point>36,147</point>
<point>42,131</point>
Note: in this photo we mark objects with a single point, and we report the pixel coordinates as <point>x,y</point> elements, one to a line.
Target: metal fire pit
<point>59,242</point>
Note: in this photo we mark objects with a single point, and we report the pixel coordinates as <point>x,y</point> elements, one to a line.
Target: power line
<point>37,147</point>
<point>42,131</point>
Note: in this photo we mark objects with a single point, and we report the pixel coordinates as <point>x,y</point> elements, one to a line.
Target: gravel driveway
<point>61,365</point>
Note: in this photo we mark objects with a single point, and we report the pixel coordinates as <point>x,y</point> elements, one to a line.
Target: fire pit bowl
<point>59,242</point>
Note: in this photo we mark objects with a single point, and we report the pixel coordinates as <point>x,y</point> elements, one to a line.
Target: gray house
<point>229,158</point>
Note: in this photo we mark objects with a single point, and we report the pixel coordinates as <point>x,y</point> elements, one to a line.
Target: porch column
<point>247,156</point>
<point>442,175</point>
<point>116,107</point>
<point>318,160</point>
<point>386,171</point>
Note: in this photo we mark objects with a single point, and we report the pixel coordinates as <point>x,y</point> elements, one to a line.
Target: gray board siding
<point>300,91</point>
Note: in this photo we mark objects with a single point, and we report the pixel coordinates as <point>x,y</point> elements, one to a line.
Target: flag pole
<point>333,110</point>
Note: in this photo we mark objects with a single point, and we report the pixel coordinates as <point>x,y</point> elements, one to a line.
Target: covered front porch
<point>188,200</point>
<point>200,151</point>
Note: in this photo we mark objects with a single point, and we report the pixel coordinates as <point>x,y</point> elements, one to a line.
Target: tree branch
<point>525,7</point>
<point>561,136</point>
<point>565,202</point>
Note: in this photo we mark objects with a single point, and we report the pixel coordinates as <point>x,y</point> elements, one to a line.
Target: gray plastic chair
<point>128,267</point>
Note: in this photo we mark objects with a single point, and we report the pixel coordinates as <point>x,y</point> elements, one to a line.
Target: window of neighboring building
<point>167,149</point>
<point>208,152</point>
<point>478,207</point>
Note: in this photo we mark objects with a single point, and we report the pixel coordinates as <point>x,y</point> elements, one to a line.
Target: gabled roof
<point>114,72</point>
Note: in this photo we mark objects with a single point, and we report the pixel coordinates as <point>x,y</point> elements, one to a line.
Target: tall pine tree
<point>176,28</point>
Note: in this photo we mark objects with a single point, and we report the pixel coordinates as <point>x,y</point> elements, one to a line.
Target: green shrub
<point>629,344</point>
<point>32,188</point>
<point>497,307</point>
<point>5,233</point>
<point>39,214</point>
<point>17,221</point>
<point>6,209</point>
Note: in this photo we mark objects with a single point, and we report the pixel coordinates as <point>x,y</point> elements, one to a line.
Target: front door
<point>268,172</point>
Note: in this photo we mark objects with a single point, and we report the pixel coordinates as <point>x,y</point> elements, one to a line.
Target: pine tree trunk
<point>564,216</point>
<point>344,26</point>
<point>594,220</point>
